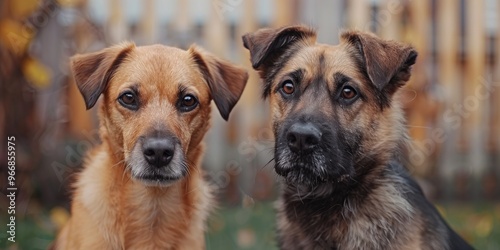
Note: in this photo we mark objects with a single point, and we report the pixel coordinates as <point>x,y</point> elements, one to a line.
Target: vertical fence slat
<point>249,101</point>
<point>419,114</point>
<point>495,127</point>
<point>148,22</point>
<point>329,19</point>
<point>183,21</point>
<point>495,105</point>
<point>448,36</point>
<point>79,119</point>
<point>216,34</point>
<point>117,25</point>
<point>359,14</point>
<point>473,104</point>
<point>284,12</point>
<point>389,19</point>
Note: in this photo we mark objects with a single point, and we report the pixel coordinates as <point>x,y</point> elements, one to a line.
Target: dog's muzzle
<point>308,152</point>
<point>157,160</point>
<point>299,156</point>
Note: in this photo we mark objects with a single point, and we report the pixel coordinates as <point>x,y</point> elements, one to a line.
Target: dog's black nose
<point>303,137</point>
<point>158,151</point>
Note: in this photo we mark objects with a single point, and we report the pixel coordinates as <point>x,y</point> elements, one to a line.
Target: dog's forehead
<point>322,59</point>
<point>161,59</point>
<point>160,69</point>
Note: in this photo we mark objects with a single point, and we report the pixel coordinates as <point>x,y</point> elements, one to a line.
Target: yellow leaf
<point>484,226</point>
<point>36,73</point>
<point>246,237</point>
<point>59,216</point>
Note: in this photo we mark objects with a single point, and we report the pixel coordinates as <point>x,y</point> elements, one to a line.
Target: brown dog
<point>339,135</point>
<point>143,188</point>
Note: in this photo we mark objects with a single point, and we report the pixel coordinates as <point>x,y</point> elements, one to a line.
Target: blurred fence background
<point>452,101</point>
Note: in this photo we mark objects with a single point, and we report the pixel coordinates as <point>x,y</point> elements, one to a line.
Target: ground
<point>252,226</point>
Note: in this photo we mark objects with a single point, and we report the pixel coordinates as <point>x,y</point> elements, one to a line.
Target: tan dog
<point>340,134</point>
<point>142,188</point>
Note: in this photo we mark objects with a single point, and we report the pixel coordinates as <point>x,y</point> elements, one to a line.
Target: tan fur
<point>111,209</point>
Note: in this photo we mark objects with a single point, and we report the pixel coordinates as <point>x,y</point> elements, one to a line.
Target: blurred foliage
<point>23,9</point>
<point>36,73</point>
<point>479,224</point>
<point>253,226</point>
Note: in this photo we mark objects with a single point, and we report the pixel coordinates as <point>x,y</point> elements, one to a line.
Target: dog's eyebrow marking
<point>135,88</point>
<point>296,75</point>
<point>321,63</point>
<point>185,89</point>
<point>339,79</point>
<point>181,89</point>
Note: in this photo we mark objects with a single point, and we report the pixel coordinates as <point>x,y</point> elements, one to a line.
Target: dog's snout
<point>303,137</point>
<point>158,151</point>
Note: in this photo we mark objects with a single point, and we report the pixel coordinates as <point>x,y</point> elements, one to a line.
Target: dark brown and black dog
<point>339,134</point>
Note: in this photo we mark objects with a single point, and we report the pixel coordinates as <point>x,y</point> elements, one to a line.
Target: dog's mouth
<point>310,170</point>
<point>300,169</point>
<point>309,176</point>
<point>155,179</point>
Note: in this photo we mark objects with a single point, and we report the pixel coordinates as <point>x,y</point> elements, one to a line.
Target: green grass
<point>252,227</point>
<point>478,224</point>
<point>242,228</point>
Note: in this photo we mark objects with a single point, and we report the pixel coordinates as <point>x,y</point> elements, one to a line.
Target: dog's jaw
<point>141,171</point>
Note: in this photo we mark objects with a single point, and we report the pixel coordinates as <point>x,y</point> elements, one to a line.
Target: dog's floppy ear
<point>266,45</point>
<point>225,80</point>
<point>92,71</point>
<point>387,63</point>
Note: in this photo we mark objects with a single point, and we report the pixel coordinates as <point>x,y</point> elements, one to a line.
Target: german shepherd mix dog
<point>339,138</point>
<point>143,188</point>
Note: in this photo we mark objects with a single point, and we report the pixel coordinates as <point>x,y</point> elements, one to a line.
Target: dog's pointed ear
<point>387,63</point>
<point>92,71</point>
<point>266,45</point>
<point>225,80</point>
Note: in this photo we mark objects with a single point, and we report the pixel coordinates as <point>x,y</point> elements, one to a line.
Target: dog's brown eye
<point>188,103</point>
<point>288,87</point>
<point>188,100</point>
<point>128,100</point>
<point>348,92</point>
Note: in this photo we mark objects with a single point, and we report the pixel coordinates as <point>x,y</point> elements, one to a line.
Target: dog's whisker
<point>265,165</point>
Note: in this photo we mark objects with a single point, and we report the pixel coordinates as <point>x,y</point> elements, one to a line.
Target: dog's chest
<point>374,223</point>
<point>156,221</point>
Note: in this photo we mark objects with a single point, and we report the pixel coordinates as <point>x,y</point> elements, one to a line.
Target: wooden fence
<point>452,100</point>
